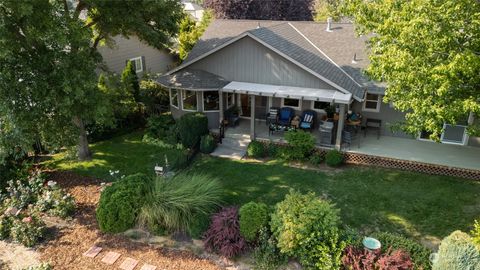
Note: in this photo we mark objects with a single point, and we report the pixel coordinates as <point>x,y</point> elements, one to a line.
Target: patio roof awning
<point>314,94</point>
<point>192,79</point>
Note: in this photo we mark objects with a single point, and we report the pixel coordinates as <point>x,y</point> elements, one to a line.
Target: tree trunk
<point>83,149</point>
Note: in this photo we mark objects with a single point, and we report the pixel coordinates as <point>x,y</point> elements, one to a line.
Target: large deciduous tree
<point>428,51</point>
<point>48,52</point>
<point>293,10</point>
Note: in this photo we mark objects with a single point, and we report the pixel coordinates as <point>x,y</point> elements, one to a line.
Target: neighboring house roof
<point>189,6</point>
<point>328,55</point>
<point>191,79</point>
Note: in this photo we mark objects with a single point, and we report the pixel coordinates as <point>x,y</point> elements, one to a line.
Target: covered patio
<point>342,100</point>
<point>458,156</point>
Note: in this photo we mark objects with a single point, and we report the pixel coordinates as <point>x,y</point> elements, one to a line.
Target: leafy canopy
<point>429,54</point>
<point>48,84</point>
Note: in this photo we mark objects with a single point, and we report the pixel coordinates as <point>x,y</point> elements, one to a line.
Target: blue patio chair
<point>285,116</point>
<point>308,119</point>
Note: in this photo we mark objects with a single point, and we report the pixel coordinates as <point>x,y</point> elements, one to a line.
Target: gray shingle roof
<point>192,79</point>
<point>334,64</point>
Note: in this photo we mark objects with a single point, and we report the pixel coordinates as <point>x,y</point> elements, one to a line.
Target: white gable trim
<point>336,86</point>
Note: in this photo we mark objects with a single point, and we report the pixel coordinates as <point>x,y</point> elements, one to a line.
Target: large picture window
<point>372,103</point>
<point>211,101</point>
<point>174,98</point>
<point>291,102</point>
<point>189,100</point>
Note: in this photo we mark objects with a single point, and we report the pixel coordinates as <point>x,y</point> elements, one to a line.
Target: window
<point>230,100</point>
<point>211,101</point>
<point>372,103</point>
<point>291,102</point>
<point>189,100</point>
<point>137,63</point>
<point>174,98</point>
<point>320,106</point>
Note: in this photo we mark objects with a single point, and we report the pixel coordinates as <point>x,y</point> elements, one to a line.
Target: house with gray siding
<point>254,66</point>
<point>147,59</point>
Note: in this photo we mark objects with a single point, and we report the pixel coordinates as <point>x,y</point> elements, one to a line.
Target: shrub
<point>28,230</point>
<point>175,203</point>
<point>56,202</point>
<point>456,252</point>
<point>207,144</point>
<point>121,202</point>
<point>301,144</point>
<point>253,216</point>
<point>223,235</point>
<point>420,255</point>
<point>362,259</point>
<point>179,160</point>
<point>161,127</point>
<point>306,227</point>
<point>256,149</point>
<point>6,223</point>
<point>334,158</point>
<point>191,127</point>
<point>267,255</point>
<point>316,159</point>
<point>25,191</point>
<point>272,150</point>
<point>42,266</point>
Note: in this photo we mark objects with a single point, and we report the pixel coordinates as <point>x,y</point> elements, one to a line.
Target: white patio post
<point>220,105</point>
<point>252,118</point>
<point>341,121</point>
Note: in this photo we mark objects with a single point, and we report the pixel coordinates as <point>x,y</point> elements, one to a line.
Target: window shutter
<point>144,65</point>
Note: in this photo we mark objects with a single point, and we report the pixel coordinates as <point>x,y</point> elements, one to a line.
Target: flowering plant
<point>27,230</point>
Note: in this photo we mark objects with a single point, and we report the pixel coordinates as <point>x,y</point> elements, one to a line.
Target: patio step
<point>237,136</point>
<point>232,148</point>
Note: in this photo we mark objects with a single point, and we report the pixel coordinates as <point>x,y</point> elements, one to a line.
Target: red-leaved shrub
<point>223,235</point>
<point>362,259</point>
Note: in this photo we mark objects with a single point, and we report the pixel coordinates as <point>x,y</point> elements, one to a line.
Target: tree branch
<point>80,6</point>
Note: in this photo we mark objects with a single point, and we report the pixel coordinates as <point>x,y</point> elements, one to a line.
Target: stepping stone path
<point>111,257</point>
<point>92,252</point>
<point>148,267</point>
<point>128,264</point>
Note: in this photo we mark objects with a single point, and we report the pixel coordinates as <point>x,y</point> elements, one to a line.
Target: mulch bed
<point>65,248</point>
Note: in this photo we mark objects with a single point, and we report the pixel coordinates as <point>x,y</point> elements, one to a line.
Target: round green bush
<point>253,216</point>
<point>207,144</point>
<point>307,228</point>
<point>120,203</point>
<point>191,127</point>
<point>420,255</point>
<point>316,159</point>
<point>334,158</point>
<point>457,252</point>
<point>256,149</point>
<point>301,144</point>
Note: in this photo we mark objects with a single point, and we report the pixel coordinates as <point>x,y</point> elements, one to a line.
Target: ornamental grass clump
<point>457,251</point>
<point>223,235</point>
<point>174,204</point>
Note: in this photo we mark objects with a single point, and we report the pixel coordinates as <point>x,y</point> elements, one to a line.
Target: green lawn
<point>127,154</point>
<point>417,205</point>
